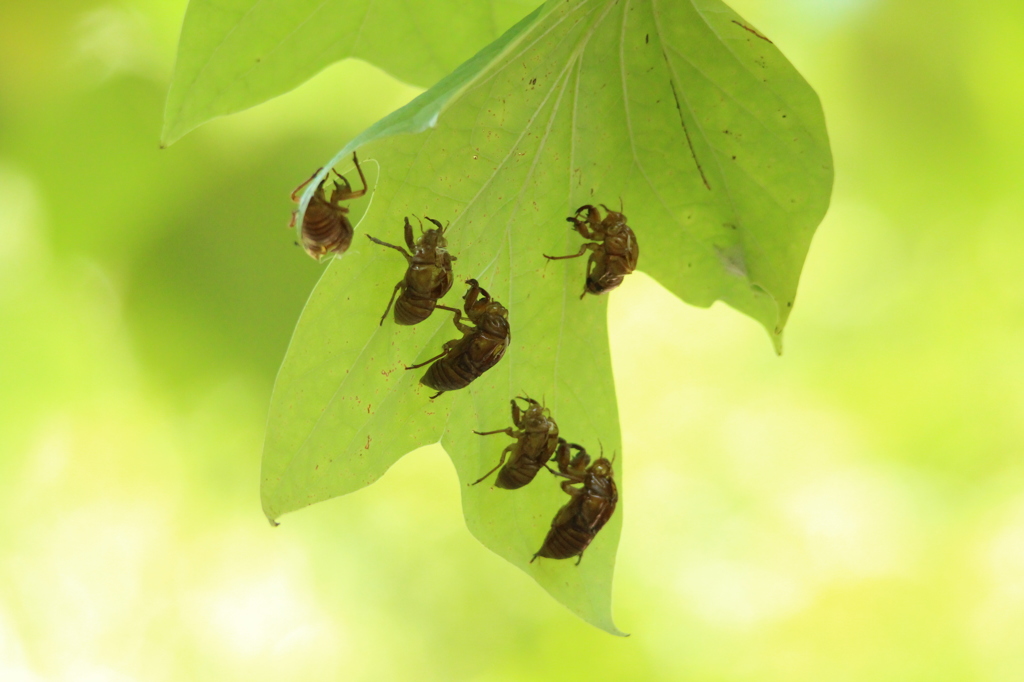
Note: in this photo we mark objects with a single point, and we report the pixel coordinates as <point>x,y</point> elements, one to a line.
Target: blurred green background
<point>853,510</point>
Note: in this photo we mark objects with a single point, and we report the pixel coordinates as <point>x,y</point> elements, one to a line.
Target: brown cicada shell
<point>325,225</point>
<point>578,522</point>
<point>428,277</point>
<point>480,348</point>
<point>536,440</point>
<point>614,249</point>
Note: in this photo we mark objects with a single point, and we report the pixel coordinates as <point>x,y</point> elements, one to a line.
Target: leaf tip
<point>783,311</point>
<point>268,511</point>
<point>777,341</point>
<point>173,129</point>
<point>168,137</point>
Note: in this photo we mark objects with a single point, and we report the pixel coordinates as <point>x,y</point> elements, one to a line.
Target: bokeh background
<point>853,510</point>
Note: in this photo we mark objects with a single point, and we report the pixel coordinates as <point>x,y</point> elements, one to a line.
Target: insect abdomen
<point>413,310</point>
<point>324,228</point>
<point>446,375</point>
<point>565,541</point>
<point>511,477</point>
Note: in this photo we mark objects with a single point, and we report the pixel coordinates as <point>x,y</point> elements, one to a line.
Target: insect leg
<point>580,559</point>
<point>553,472</point>
<point>586,227</point>
<point>589,208</point>
<point>561,455</point>
<point>457,320</point>
<point>504,454</point>
<point>436,222</point>
<point>507,431</point>
<point>470,298</point>
<point>567,487</point>
<point>578,465</point>
<point>408,234</point>
<point>583,250</point>
<point>581,227</point>
<point>517,414</point>
<point>427,362</point>
<point>590,269</point>
<point>341,196</point>
<point>408,257</point>
<point>349,194</point>
<point>299,188</point>
<point>567,484</point>
<point>393,294</point>
<point>355,160</point>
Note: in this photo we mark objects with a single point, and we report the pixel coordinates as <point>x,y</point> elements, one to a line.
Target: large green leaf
<point>718,151</point>
<point>234,54</point>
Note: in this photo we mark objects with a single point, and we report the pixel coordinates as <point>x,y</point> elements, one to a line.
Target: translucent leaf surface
<point>234,54</point>
<point>716,148</point>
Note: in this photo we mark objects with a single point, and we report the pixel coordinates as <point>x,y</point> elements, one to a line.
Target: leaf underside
<point>716,148</point>
<point>234,54</point>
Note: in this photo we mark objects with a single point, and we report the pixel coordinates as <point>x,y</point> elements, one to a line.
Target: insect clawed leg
<point>504,454</point>
<point>517,414</point>
<point>437,223</point>
<point>567,486</point>
<point>474,291</point>
<point>583,249</point>
<point>362,177</point>
<point>427,362</point>
<point>348,187</point>
<point>348,194</point>
<point>408,234</point>
<point>408,257</point>
<point>507,432</point>
<point>457,319</point>
<point>299,188</point>
<point>588,227</point>
<point>393,294</point>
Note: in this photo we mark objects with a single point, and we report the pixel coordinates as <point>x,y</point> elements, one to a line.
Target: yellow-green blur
<point>850,512</point>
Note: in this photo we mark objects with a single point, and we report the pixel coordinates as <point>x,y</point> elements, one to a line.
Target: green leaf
<point>718,151</point>
<point>235,54</point>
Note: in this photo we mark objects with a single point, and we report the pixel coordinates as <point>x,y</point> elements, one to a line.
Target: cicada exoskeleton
<point>428,277</point>
<point>614,249</point>
<point>480,348</point>
<point>578,522</point>
<point>536,440</point>
<point>325,225</point>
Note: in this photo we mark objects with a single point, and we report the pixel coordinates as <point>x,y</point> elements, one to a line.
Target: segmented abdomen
<point>511,477</point>
<point>326,228</point>
<point>448,374</point>
<point>413,309</point>
<point>565,541</point>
